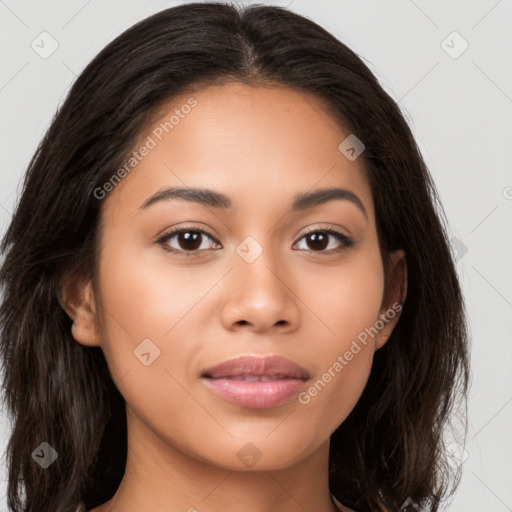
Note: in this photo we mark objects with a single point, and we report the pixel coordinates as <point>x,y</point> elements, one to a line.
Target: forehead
<point>234,138</point>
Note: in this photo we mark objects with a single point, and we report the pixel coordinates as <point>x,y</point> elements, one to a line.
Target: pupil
<point>317,241</point>
<point>186,237</point>
<point>315,238</point>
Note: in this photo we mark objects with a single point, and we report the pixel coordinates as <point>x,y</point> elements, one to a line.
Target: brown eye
<point>189,240</point>
<point>186,240</point>
<point>319,241</point>
<point>192,241</point>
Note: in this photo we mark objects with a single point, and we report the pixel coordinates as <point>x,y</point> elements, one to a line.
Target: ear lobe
<point>76,298</point>
<point>399,276</point>
<point>394,296</point>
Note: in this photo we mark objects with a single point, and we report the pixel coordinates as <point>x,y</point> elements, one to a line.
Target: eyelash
<point>346,242</point>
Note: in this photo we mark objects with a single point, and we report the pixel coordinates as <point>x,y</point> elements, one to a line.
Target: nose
<point>260,297</point>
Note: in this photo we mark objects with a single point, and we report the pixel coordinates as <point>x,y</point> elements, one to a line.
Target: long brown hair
<point>390,449</point>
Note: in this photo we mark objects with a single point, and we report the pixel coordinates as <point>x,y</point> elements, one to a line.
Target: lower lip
<point>255,394</point>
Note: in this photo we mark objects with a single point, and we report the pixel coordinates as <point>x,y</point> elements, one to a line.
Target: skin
<point>260,146</point>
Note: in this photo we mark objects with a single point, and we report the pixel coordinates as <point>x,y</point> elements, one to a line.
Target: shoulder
<point>340,506</point>
<point>81,508</point>
<point>345,509</point>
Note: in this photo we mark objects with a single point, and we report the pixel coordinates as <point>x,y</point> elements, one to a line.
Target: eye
<point>319,240</point>
<point>190,240</point>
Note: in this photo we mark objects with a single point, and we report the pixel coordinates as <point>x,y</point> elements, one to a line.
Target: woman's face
<point>256,284</point>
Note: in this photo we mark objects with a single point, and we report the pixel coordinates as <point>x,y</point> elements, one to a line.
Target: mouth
<point>252,378</point>
<point>255,382</point>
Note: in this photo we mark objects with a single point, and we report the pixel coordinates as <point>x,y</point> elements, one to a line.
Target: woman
<point>227,282</point>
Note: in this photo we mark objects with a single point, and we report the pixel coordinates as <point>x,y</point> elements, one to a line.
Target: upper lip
<point>257,366</point>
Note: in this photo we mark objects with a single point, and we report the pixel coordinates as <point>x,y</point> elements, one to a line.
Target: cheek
<point>153,312</point>
<point>147,298</point>
<point>346,297</point>
<point>138,308</point>
<point>147,295</point>
<point>145,308</point>
<point>348,302</point>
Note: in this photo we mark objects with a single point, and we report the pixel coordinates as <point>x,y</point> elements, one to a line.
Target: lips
<point>257,368</point>
<point>256,382</point>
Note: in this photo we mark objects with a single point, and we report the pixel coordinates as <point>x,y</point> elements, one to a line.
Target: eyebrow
<point>208,197</point>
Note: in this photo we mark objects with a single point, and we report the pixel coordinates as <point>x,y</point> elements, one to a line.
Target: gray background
<point>460,110</point>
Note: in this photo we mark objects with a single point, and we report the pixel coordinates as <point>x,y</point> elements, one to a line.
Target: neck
<point>159,476</point>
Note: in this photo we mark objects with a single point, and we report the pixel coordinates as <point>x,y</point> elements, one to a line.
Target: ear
<point>76,297</point>
<point>394,296</point>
